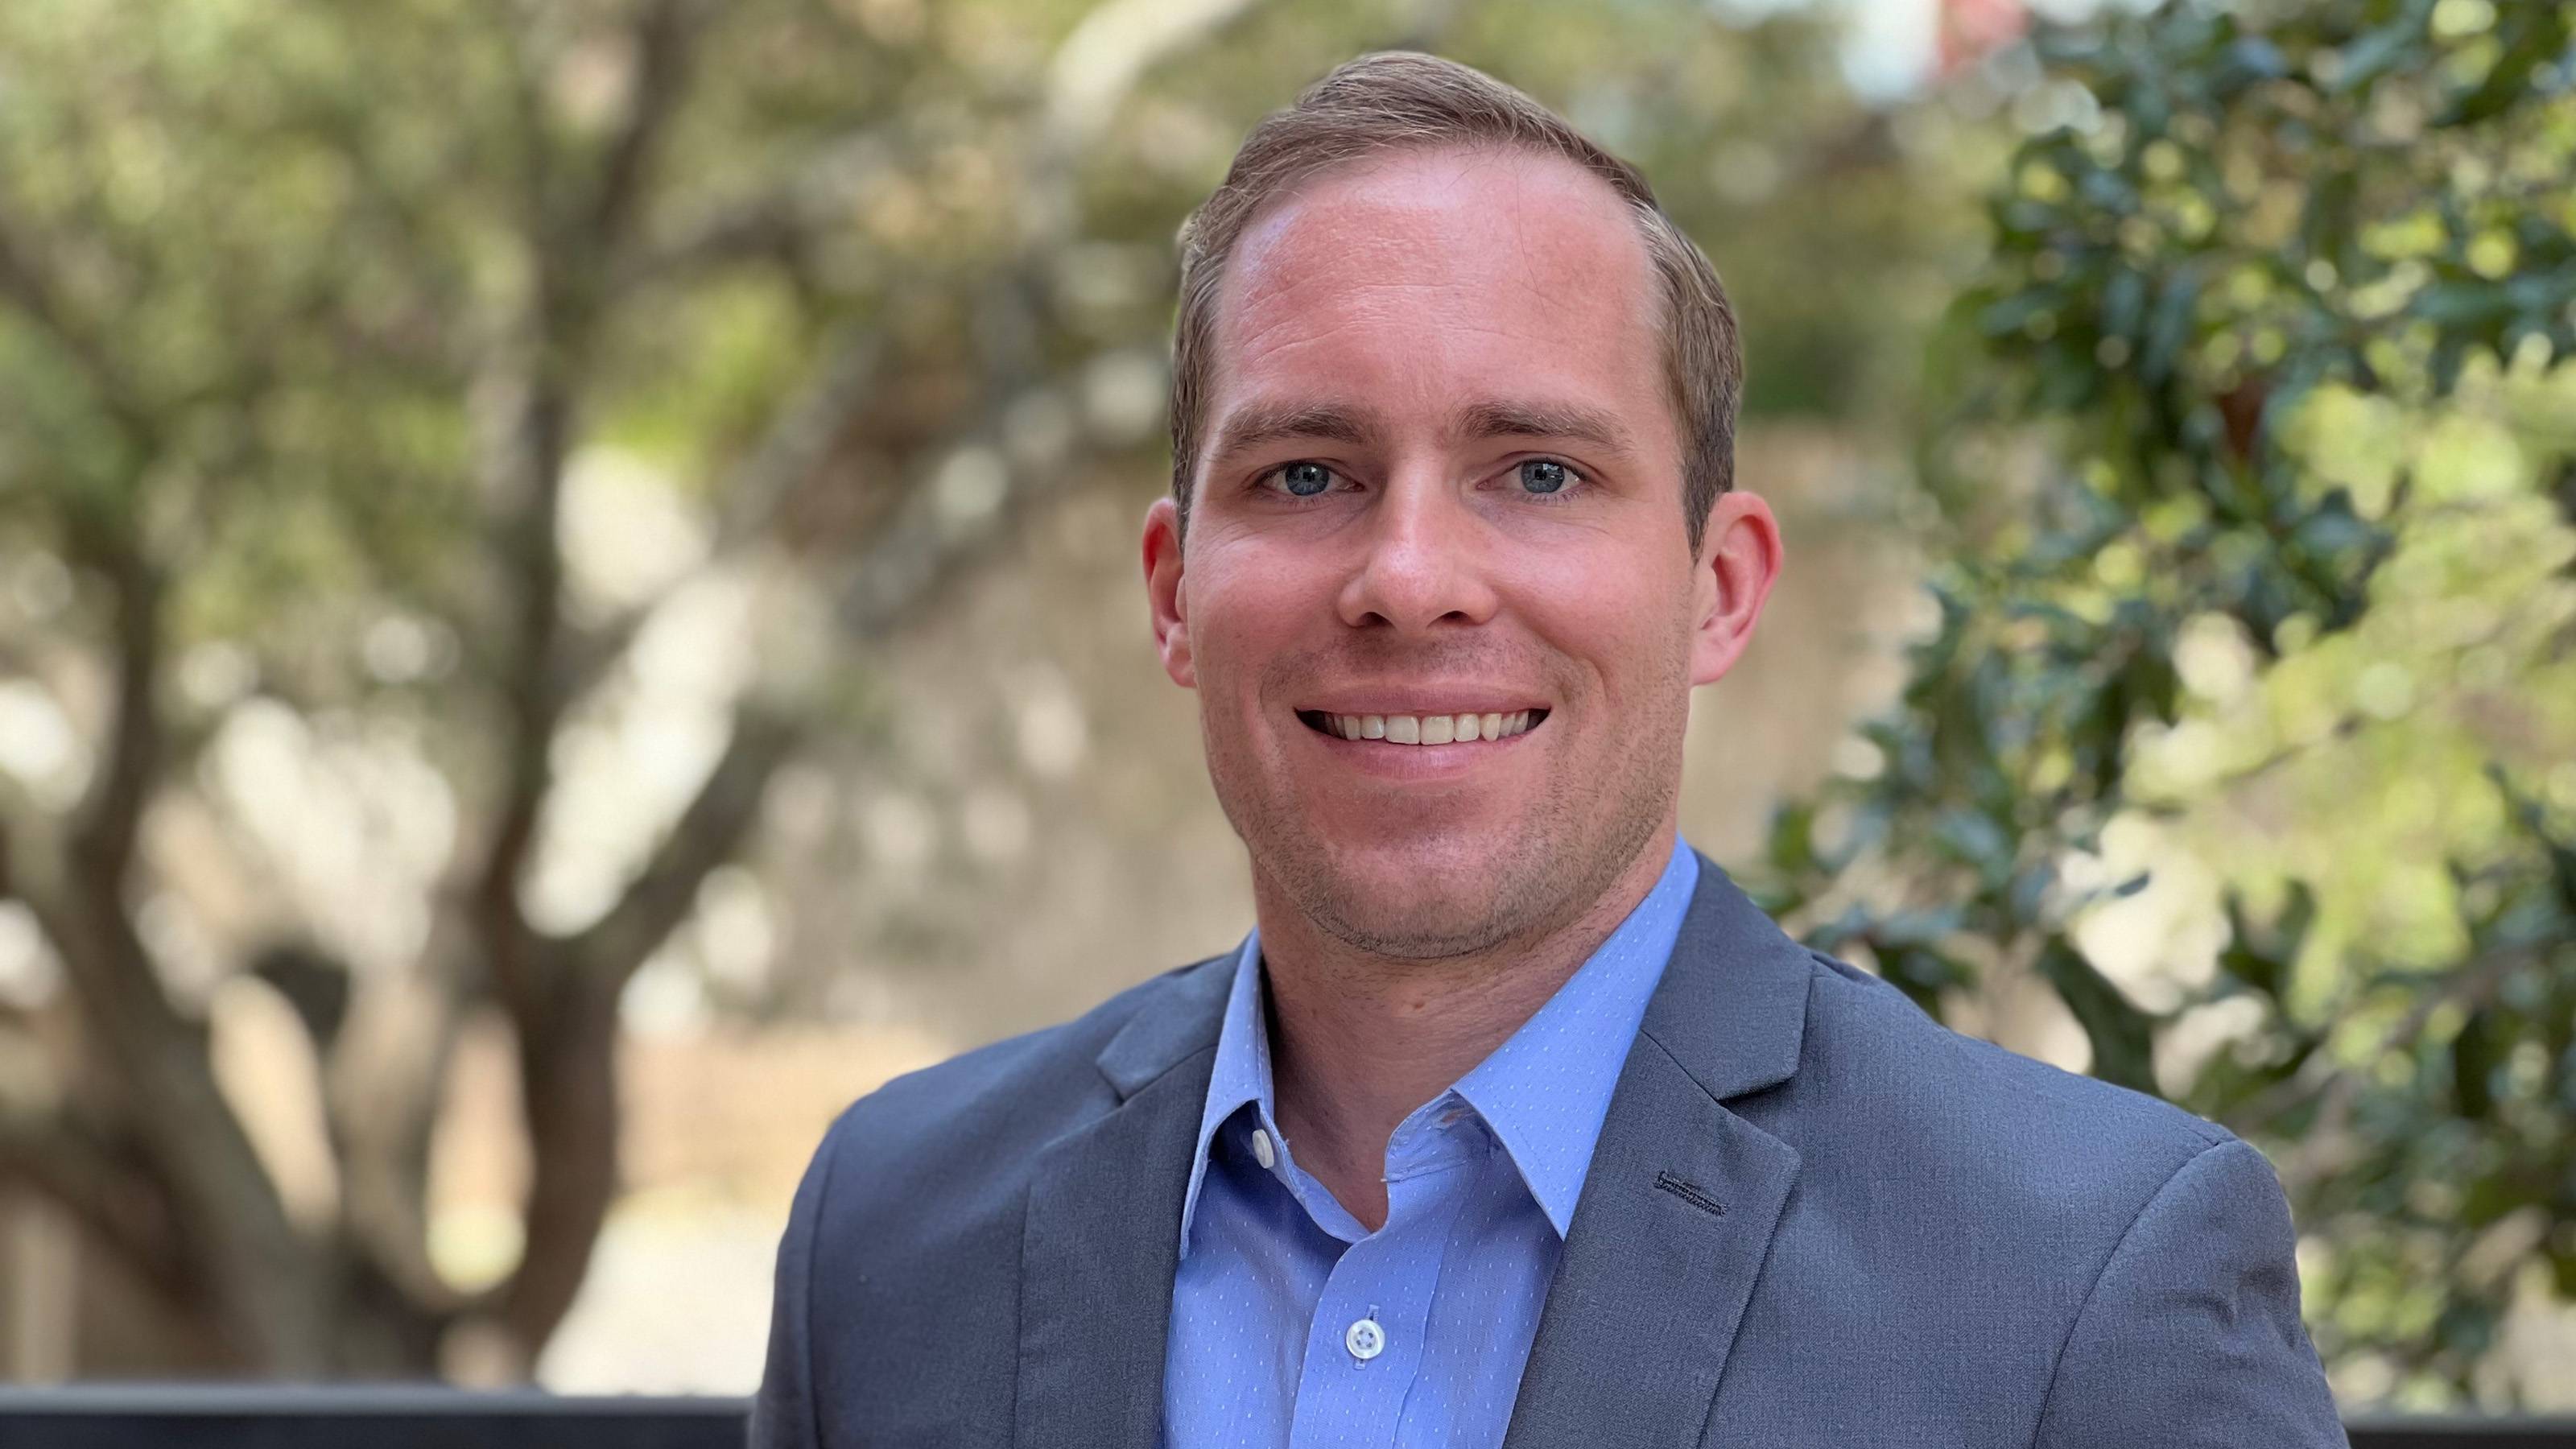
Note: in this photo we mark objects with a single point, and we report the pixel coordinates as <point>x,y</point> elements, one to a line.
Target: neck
<point>1358,1040</point>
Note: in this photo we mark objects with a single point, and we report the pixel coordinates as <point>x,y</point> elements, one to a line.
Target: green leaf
<point>2123,1037</point>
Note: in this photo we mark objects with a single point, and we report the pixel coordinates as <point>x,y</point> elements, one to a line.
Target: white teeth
<point>1428,729</point>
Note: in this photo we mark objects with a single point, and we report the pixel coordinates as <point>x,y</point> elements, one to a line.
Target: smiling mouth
<point>1423,729</point>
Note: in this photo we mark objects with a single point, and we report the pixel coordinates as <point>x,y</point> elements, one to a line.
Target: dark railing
<point>263,1416</point>
<point>191,1416</point>
<point>2453,1433</point>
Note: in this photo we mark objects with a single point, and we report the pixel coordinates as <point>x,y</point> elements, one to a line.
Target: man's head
<point>1395,101</point>
<point>1453,418</point>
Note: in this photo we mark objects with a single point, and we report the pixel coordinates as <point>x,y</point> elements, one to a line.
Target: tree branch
<point>792,453</point>
<point>1110,50</point>
<point>663,39</point>
<point>530,549</point>
<point>563,321</point>
<point>708,833</point>
<point>778,220</point>
<point>2324,1146</point>
<point>1095,69</point>
<point>255,1259</point>
<point>70,1162</point>
<point>106,827</point>
<point>25,282</point>
<point>382,1091</point>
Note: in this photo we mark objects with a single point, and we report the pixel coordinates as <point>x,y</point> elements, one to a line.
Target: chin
<point>1395,904</point>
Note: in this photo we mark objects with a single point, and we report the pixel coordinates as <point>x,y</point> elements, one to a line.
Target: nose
<point>1421,559</point>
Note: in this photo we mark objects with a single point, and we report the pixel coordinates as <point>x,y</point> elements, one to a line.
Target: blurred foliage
<point>2255,501</point>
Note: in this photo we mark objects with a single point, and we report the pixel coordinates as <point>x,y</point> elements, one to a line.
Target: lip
<point>1473,700</point>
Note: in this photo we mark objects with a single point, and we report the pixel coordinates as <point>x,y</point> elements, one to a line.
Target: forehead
<point>1409,277</point>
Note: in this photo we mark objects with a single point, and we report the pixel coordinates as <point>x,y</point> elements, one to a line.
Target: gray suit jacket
<point>1815,1217</point>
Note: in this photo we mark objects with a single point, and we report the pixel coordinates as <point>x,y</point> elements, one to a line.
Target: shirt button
<point>1365,1340</point>
<point>1262,1152</point>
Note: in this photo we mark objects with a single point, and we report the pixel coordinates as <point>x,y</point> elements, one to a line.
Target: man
<point>1513,1121</point>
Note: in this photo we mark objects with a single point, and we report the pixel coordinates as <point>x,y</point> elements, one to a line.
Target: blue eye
<point>1544,475</point>
<point>1306,479</point>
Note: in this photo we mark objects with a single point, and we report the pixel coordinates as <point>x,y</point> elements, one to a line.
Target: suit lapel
<point>1103,1231</point>
<point>1682,1196</point>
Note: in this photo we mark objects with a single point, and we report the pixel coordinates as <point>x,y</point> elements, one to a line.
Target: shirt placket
<point>1364,1346</point>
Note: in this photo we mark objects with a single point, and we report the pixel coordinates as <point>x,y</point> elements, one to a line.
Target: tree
<point>253,267</point>
<point>2264,375</point>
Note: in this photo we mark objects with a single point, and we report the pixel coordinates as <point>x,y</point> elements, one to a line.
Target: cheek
<point>1245,608</point>
<point>1630,626</point>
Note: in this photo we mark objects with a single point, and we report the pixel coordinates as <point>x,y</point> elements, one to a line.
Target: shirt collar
<point>1242,1070</point>
<point>1546,1089</point>
<point>1544,1092</point>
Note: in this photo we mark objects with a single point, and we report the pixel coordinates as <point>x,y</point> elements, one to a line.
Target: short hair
<point>1397,100</point>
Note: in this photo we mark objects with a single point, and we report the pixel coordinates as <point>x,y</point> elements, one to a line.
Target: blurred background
<point>569,604</point>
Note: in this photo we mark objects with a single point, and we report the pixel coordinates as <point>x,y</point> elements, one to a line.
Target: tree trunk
<point>568,1091</point>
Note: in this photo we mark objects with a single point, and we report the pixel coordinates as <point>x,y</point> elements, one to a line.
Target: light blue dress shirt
<point>1293,1327</point>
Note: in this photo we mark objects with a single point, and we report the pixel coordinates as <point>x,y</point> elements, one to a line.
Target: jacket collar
<point>1732,1007</point>
<point>1175,1023</point>
<point>1680,1190</point>
<point>1682,1197</point>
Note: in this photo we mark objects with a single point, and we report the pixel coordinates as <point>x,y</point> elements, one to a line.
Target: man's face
<point>1440,480</point>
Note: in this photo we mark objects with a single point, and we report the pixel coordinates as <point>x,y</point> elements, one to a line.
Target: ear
<point>1163,592</point>
<point>1739,560</point>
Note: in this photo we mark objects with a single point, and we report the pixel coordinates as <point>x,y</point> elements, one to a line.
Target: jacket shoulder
<point>1957,1206</point>
<point>925,1131</point>
<point>1913,1096</point>
<point>904,1240</point>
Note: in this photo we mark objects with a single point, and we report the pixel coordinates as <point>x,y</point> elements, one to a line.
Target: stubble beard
<point>1535,877</point>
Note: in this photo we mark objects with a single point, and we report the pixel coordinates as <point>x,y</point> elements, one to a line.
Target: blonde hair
<point>1397,100</point>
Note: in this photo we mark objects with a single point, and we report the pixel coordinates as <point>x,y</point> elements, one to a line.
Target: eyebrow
<point>1541,420</point>
<point>1258,425</point>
